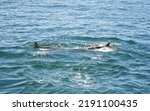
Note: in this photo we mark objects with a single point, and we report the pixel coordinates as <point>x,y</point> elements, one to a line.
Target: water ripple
<point>69,27</point>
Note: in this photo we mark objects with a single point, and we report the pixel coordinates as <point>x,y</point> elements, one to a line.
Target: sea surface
<point>69,27</point>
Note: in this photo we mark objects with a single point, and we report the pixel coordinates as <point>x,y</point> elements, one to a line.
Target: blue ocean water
<point>68,26</point>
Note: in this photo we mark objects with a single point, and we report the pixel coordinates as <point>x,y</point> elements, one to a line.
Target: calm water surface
<point>68,26</point>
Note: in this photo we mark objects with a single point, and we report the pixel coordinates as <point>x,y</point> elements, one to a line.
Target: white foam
<point>104,49</point>
<point>41,52</point>
<point>43,49</point>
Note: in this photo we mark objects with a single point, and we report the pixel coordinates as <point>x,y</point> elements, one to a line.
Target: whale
<point>107,47</point>
<point>37,46</point>
<point>102,47</point>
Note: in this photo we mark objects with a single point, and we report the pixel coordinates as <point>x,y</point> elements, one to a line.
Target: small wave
<point>11,85</point>
<point>41,52</point>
